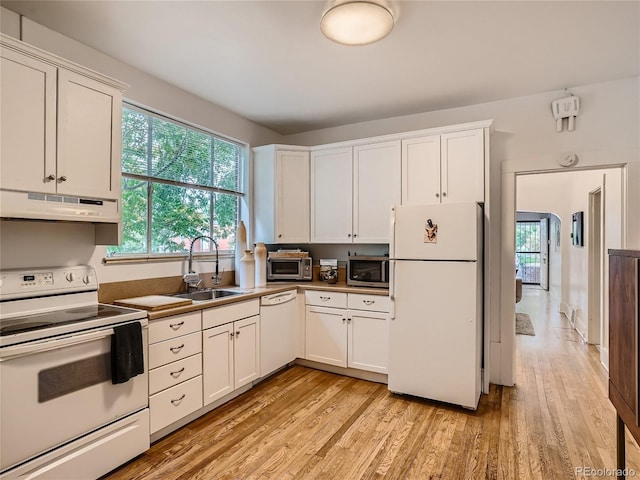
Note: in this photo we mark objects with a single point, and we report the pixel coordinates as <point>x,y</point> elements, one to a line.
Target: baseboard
<point>604,352</point>
<point>494,374</point>
<point>349,372</point>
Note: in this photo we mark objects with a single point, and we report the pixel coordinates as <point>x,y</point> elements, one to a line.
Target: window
<point>528,251</point>
<point>178,182</point>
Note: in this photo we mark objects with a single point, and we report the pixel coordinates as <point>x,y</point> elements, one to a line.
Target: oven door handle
<point>15,351</point>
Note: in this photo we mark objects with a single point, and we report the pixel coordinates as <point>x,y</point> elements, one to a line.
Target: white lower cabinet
<point>175,369</point>
<point>368,336</point>
<point>174,403</point>
<point>348,337</point>
<point>231,351</point>
<point>327,335</point>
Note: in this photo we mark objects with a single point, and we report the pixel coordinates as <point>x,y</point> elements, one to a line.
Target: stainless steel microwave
<point>368,271</point>
<point>289,268</point>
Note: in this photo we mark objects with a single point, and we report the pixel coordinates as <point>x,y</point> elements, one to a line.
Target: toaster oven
<point>289,268</point>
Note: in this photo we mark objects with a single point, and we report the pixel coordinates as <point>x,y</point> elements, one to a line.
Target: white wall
<point>564,193</point>
<point>525,140</point>
<point>26,244</point>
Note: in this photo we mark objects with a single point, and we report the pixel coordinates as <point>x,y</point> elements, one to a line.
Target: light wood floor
<point>307,424</point>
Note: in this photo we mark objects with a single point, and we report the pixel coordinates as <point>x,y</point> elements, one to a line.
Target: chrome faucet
<point>191,278</point>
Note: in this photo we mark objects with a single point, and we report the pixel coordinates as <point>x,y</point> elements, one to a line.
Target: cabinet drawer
<point>174,349</point>
<point>370,303</point>
<point>174,403</point>
<point>214,317</point>
<point>326,299</point>
<point>175,326</point>
<point>174,373</point>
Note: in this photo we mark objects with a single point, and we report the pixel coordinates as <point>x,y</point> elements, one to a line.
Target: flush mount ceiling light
<point>357,22</point>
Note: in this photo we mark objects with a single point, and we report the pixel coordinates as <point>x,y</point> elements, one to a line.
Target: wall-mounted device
<point>577,238</point>
<point>566,107</point>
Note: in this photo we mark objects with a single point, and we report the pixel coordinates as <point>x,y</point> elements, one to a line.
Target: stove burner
<point>41,321</point>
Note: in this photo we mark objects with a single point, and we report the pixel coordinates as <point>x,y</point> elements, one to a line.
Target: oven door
<point>56,390</point>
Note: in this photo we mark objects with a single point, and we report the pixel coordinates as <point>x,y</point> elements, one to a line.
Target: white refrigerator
<point>437,302</point>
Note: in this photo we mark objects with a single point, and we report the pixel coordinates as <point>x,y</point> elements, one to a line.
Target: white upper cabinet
<point>376,188</point>
<point>443,168</point>
<point>354,184</point>
<point>60,125</point>
<point>421,170</point>
<point>89,137</point>
<point>353,190</point>
<point>331,195</point>
<point>28,119</point>
<point>281,189</point>
<point>462,165</point>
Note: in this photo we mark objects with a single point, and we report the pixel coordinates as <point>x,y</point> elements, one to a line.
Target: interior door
<point>544,253</point>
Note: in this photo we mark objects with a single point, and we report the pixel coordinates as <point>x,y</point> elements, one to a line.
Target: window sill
<point>170,257</point>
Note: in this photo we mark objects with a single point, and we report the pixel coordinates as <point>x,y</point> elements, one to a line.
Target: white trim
<point>407,135</point>
<point>591,160</point>
<point>44,56</point>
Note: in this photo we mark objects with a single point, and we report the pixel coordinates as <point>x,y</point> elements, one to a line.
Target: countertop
<point>272,287</point>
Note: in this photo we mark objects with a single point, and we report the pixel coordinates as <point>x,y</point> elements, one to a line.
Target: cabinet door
<point>421,170</point>
<point>28,119</point>
<point>326,334</point>
<point>368,341</point>
<point>217,362</point>
<point>463,166</point>
<point>89,137</point>
<point>292,197</point>
<point>246,350</point>
<point>331,201</point>
<point>376,188</point>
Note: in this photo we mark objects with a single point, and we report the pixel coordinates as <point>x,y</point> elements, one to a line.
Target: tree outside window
<point>178,182</point>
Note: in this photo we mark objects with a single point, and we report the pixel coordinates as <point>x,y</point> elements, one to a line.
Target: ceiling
<point>268,61</point>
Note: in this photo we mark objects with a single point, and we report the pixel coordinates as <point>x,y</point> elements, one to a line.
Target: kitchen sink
<point>202,295</point>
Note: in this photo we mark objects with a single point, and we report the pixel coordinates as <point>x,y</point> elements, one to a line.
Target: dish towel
<point>127,355</point>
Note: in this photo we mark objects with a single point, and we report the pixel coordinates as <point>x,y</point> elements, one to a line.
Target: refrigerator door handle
<point>392,233</point>
<point>392,300</point>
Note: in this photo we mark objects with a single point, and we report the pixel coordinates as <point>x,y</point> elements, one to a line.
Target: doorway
<point>562,199</point>
<point>596,256</point>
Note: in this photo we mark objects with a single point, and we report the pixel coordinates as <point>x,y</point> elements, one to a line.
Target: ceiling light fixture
<point>357,22</point>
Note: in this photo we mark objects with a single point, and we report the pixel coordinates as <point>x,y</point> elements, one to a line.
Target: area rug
<point>523,325</point>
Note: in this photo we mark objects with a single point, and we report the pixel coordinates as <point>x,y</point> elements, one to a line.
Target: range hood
<point>104,213</point>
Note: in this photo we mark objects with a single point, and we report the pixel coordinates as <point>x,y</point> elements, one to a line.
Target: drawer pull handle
<point>324,299</point>
<point>178,400</point>
<point>368,302</point>
<point>177,373</point>
<point>176,349</point>
<point>176,326</point>
<point>237,333</point>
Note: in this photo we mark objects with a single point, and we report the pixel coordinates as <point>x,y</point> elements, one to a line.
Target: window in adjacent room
<point>178,182</point>
<point>528,252</point>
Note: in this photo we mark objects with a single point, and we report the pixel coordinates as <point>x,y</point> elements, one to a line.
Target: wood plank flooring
<point>308,424</point>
